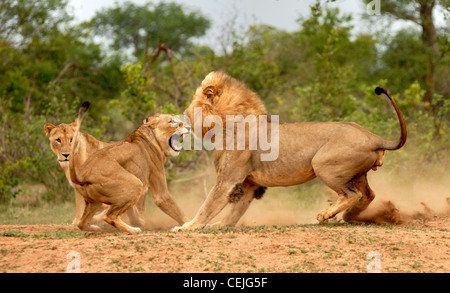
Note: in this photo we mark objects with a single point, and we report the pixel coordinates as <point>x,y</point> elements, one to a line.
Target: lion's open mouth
<point>175,141</point>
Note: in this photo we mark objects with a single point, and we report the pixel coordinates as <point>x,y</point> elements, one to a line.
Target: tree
<point>141,27</point>
<point>403,60</point>
<point>47,66</point>
<point>420,12</point>
<point>23,20</point>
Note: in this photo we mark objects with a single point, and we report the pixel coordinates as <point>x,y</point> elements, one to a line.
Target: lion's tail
<point>76,143</point>
<point>394,145</point>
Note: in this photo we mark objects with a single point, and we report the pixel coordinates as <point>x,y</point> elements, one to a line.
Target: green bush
<point>323,71</point>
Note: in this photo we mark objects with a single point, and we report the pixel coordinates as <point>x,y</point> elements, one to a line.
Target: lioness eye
<point>173,123</point>
<point>58,140</point>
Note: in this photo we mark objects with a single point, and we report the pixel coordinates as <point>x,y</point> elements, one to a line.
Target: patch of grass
<point>54,235</point>
<point>13,233</point>
<point>12,214</point>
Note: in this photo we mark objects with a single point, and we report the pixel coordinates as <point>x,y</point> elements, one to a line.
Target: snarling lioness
<point>339,153</point>
<point>120,174</point>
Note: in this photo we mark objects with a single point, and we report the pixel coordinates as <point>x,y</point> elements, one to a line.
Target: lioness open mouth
<point>174,142</point>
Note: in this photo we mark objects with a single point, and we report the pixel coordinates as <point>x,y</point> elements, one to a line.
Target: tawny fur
<point>60,138</point>
<point>339,153</point>
<point>120,174</point>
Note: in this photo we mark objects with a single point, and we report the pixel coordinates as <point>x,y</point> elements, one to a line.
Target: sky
<point>282,14</point>
<point>279,13</point>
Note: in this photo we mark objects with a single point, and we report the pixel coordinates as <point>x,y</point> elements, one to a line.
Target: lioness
<point>339,153</point>
<point>60,137</point>
<point>120,174</point>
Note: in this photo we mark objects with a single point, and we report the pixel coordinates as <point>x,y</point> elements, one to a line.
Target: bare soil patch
<point>421,245</point>
<point>407,230</point>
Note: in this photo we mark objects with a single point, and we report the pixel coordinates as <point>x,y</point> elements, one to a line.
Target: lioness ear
<point>151,121</point>
<point>74,124</point>
<point>210,91</point>
<point>48,127</point>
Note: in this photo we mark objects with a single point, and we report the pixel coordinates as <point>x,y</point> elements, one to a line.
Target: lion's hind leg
<point>344,169</point>
<point>136,213</point>
<point>351,214</point>
<point>120,190</point>
<point>113,217</point>
<point>89,211</point>
<point>121,200</point>
<point>347,198</point>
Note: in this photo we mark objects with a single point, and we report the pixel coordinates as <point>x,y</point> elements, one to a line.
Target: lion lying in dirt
<point>339,153</point>
<point>120,174</point>
<point>60,137</point>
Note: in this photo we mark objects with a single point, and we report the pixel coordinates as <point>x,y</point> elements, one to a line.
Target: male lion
<point>338,153</point>
<point>120,174</point>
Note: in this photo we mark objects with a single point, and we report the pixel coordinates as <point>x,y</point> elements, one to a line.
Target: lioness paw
<point>176,229</point>
<point>187,226</point>
<point>133,230</point>
<point>322,216</point>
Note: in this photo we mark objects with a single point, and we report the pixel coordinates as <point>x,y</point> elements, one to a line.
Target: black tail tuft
<point>380,90</point>
<point>85,105</point>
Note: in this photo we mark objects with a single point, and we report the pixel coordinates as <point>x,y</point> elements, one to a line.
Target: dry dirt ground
<point>277,234</point>
<point>421,245</point>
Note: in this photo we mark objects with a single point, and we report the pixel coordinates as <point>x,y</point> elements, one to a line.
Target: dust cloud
<point>400,197</point>
<point>403,198</point>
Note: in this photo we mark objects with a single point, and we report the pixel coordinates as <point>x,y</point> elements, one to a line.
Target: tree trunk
<point>432,51</point>
<point>429,40</point>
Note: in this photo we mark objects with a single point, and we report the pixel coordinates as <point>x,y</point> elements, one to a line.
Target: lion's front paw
<point>186,226</point>
<point>134,230</point>
<point>320,218</point>
<point>76,221</point>
<point>176,229</point>
<point>323,216</point>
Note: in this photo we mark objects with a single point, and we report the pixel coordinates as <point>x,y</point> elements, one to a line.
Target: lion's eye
<point>58,140</point>
<point>173,123</point>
